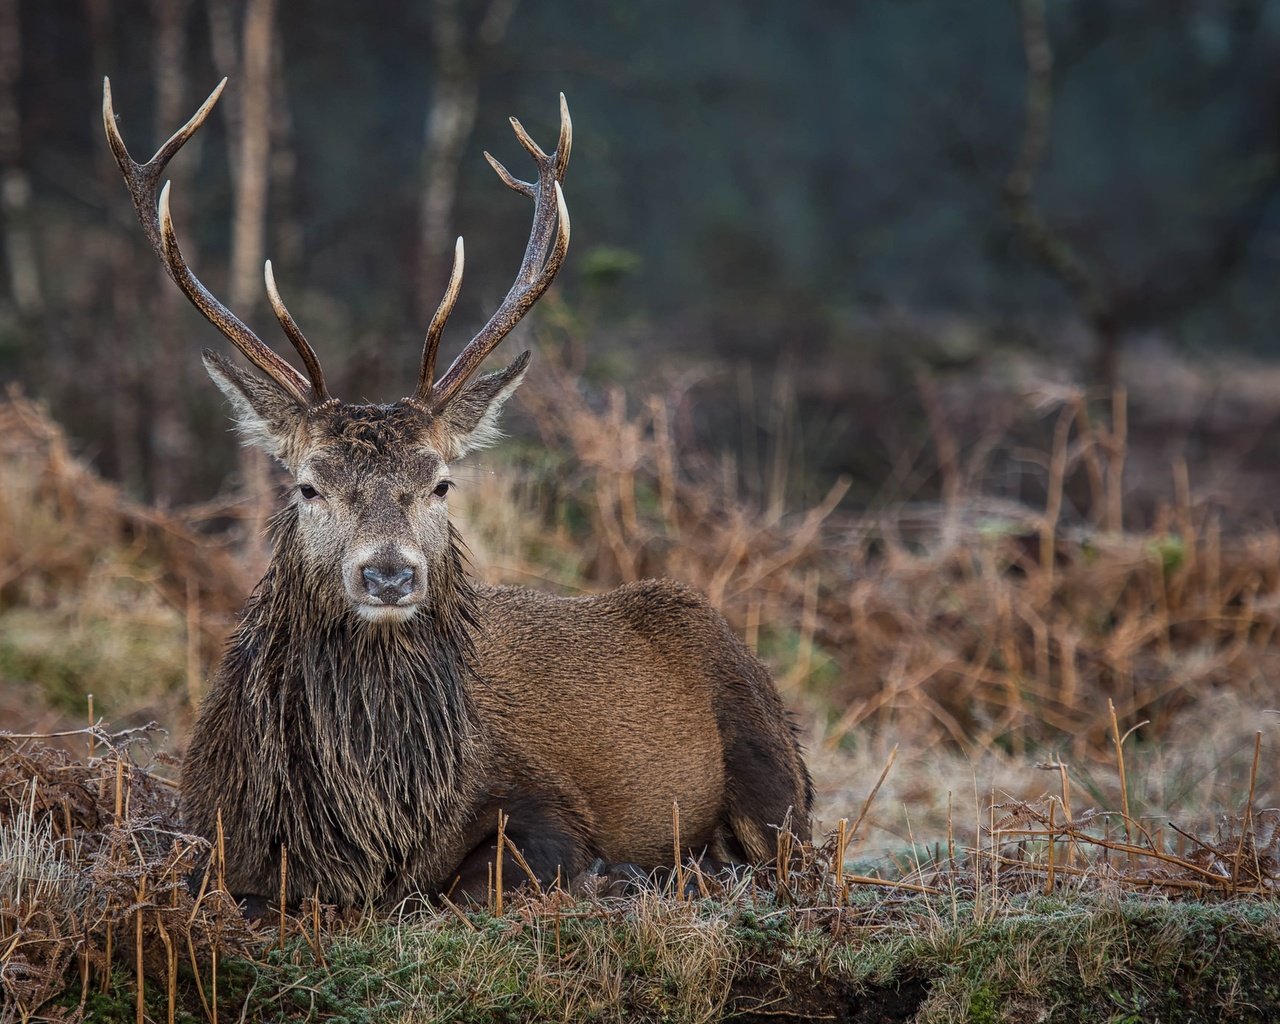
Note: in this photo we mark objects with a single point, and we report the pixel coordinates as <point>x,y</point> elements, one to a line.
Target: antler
<point>537,270</point>
<point>157,223</point>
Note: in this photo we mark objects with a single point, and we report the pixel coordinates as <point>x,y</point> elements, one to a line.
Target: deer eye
<point>308,492</point>
<point>442,488</point>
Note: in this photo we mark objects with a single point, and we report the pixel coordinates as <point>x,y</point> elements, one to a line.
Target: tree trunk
<point>171,450</point>
<point>248,235</point>
<point>15,186</point>
<point>450,120</point>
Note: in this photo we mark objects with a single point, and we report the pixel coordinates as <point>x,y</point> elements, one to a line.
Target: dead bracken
<point>94,870</point>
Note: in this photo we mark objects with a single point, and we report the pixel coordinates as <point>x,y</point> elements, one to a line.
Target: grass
<point>1075,824</point>
<point>906,958</point>
<point>1046,915</point>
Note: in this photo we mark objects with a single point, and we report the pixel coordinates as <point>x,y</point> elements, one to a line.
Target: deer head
<point>371,481</point>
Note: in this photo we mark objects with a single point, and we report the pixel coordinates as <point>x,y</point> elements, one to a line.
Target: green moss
<point>1064,959</point>
<point>125,655</point>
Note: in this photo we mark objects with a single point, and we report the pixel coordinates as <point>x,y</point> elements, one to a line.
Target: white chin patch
<point>386,613</point>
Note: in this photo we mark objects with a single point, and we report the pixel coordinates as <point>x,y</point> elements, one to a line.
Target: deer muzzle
<point>386,585</point>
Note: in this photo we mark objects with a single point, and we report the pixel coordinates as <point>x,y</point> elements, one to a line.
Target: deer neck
<point>386,707</point>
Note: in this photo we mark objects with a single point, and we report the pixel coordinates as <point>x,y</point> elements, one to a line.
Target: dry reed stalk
<point>138,965</point>
<point>284,875</point>
<point>85,951</point>
<point>782,857</point>
<point>1247,822</point>
<point>170,967</point>
<point>1048,882</point>
<point>885,883</point>
<point>104,983</point>
<point>119,790</point>
<point>1131,850</point>
<point>1066,806</point>
<point>842,839</point>
<point>524,866</point>
<point>318,945</point>
<point>1141,883</point>
<point>220,847</point>
<point>677,852</point>
<point>1124,782</point>
<point>458,913</point>
<point>1117,449</point>
<point>866,804</point>
<point>995,848</point>
<point>497,863</point>
<point>951,836</point>
<point>89,730</point>
<point>195,971</point>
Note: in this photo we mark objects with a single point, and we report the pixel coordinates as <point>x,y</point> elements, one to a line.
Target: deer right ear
<point>266,416</point>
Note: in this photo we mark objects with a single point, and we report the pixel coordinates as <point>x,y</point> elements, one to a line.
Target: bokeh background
<point>935,340</point>
<point>827,186</point>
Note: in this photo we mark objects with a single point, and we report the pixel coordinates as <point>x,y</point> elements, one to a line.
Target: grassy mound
<point>1044,917</point>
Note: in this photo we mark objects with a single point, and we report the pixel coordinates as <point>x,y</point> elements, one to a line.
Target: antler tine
<point>531,147</point>
<point>565,142</point>
<point>319,392</point>
<point>537,269</point>
<point>519,301</point>
<point>509,179</point>
<point>432,345</point>
<point>157,223</point>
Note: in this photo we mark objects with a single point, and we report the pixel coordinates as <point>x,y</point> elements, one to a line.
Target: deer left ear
<point>470,420</point>
<point>266,416</point>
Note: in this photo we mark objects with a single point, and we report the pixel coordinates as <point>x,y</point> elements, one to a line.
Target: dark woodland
<point>848,191</point>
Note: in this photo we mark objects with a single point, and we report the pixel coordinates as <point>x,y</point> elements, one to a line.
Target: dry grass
<point>98,592</point>
<point>975,623</point>
<point>97,916</point>
<point>975,637</point>
<point>94,873</point>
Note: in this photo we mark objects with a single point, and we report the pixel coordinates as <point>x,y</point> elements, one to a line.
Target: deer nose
<point>388,582</point>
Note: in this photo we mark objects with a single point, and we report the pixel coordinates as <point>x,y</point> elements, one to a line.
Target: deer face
<point>371,482</point>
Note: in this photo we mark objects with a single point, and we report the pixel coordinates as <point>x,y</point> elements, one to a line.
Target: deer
<point>376,710</point>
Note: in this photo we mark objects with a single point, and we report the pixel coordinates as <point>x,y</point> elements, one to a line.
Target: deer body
<point>375,709</point>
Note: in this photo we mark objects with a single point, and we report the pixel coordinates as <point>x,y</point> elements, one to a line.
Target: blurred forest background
<point>842,193</point>
<point>934,341</point>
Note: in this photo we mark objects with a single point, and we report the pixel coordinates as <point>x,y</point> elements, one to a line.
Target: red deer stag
<point>375,708</point>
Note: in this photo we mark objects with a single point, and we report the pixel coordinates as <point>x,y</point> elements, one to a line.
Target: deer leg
<point>767,787</point>
<point>551,840</point>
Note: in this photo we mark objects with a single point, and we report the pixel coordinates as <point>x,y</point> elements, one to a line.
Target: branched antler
<point>548,243</point>
<point>152,205</point>
<point>537,269</point>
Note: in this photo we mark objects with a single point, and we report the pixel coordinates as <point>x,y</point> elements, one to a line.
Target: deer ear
<point>471,420</point>
<point>266,416</point>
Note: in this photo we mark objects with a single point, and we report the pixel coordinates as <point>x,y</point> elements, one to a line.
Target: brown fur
<point>380,752</point>
<point>374,711</point>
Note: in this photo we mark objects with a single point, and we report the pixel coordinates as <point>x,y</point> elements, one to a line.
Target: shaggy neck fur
<point>364,735</point>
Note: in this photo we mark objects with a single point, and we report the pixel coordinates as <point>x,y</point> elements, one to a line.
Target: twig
<point>458,913</point>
